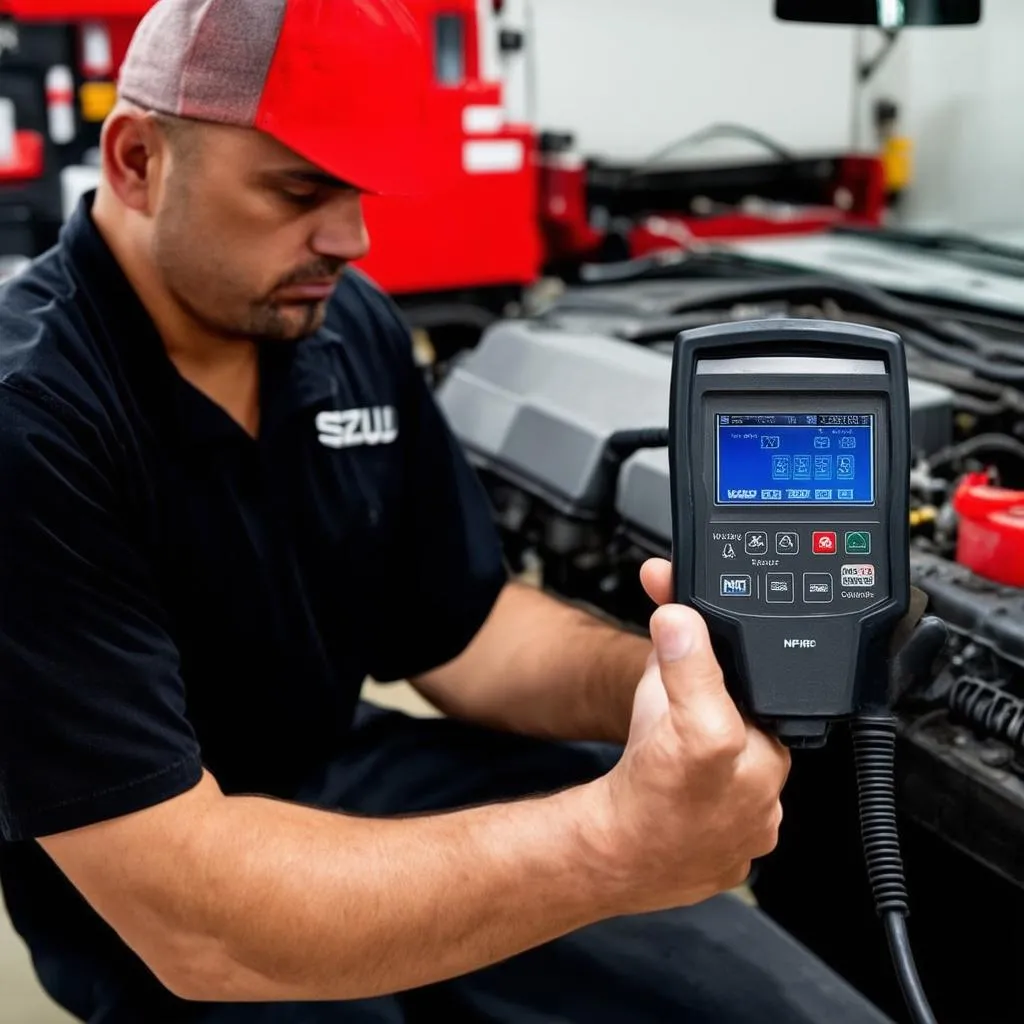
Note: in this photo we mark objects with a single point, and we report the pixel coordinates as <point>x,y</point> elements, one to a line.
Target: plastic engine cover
<point>538,405</point>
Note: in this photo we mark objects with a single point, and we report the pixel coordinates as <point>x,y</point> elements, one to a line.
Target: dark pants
<point>717,963</point>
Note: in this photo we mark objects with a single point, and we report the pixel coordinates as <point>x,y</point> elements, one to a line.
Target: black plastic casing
<point>792,669</point>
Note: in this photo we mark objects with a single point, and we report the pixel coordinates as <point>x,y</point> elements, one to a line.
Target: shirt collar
<point>298,375</point>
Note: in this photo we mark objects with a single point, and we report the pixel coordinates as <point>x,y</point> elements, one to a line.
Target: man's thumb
<point>687,662</point>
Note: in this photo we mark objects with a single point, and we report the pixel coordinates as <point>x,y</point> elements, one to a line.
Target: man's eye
<point>301,198</point>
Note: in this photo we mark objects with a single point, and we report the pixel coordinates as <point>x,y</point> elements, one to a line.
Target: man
<point>200,822</point>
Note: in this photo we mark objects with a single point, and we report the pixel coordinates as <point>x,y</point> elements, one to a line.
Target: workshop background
<point>628,79</point>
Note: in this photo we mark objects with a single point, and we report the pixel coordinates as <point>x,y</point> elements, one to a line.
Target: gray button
<point>778,588</point>
<point>818,587</point>
<point>787,543</point>
<point>756,543</point>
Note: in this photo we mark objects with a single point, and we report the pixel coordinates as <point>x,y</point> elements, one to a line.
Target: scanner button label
<point>818,587</point>
<point>756,542</point>
<point>779,588</point>
<point>787,543</point>
<point>823,542</point>
<point>858,575</point>
<point>858,542</point>
<point>735,586</point>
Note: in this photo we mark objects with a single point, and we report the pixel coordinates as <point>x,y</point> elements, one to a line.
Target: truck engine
<point>563,413</point>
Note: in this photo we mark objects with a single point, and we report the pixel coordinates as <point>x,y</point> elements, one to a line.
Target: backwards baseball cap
<point>343,83</point>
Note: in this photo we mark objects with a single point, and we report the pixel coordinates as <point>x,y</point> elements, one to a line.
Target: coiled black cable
<point>874,746</point>
<point>989,709</point>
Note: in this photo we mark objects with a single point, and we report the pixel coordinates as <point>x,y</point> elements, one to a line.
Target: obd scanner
<point>790,448</point>
<point>789,455</point>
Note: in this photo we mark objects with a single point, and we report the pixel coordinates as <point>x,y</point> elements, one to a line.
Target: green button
<point>858,543</point>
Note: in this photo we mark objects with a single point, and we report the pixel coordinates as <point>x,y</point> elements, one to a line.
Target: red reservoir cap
<point>990,538</point>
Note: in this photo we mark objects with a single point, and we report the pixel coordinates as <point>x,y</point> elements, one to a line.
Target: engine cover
<point>537,406</point>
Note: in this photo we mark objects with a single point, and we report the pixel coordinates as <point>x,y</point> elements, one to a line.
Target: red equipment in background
<point>481,231</point>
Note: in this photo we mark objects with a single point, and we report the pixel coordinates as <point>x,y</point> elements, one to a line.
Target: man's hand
<point>695,797</point>
<point>656,576</point>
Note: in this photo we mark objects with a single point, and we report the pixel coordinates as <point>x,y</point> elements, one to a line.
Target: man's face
<point>250,238</point>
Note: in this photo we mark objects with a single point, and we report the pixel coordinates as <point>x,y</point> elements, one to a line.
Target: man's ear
<point>134,151</point>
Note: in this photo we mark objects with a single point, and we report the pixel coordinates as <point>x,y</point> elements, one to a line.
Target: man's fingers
<point>656,577</point>
<point>690,672</point>
<point>767,757</point>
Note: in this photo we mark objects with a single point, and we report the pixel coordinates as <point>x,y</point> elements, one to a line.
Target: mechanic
<point>228,498</point>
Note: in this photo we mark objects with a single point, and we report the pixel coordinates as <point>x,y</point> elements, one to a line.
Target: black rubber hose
<point>874,746</point>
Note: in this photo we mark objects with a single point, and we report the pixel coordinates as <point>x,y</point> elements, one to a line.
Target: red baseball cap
<point>343,83</point>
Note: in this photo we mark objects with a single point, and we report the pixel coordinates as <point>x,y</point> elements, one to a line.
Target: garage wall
<point>964,92</point>
<point>630,76</point>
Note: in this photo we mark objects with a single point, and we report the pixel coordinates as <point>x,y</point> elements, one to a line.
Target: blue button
<point>735,586</point>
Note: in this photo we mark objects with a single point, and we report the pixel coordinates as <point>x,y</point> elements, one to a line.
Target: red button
<point>824,543</point>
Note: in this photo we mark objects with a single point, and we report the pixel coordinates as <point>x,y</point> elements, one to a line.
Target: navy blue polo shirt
<point>177,594</point>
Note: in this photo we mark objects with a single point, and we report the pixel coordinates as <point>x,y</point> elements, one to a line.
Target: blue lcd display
<point>796,459</point>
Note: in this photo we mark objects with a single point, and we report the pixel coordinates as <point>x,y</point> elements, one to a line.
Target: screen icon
<point>823,542</point>
<point>780,467</point>
<point>771,441</point>
<point>787,543</point>
<point>845,494</point>
<point>847,442</point>
<point>821,441</point>
<point>823,495</point>
<point>735,586</point>
<point>822,467</point>
<point>858,542</point>
<point>844,467</point>
<point>801,467</point>
<point>756,543</point>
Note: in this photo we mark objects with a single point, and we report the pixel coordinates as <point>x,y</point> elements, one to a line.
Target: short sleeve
<point>92,704</point>
<point>450,567</point>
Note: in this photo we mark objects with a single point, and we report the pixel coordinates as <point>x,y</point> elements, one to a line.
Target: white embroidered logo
<point>352,428</point>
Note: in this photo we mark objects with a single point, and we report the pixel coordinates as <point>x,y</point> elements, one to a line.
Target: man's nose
<point>342,233</point>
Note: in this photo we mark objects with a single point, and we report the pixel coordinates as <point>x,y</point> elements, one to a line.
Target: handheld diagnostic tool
<point>790,448</point>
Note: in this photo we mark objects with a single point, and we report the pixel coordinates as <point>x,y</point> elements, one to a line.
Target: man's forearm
<point>544,668</point>
<point>271,902</point>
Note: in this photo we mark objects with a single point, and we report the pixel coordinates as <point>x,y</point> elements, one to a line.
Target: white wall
<point>629,76</point>
<point>964,97</point>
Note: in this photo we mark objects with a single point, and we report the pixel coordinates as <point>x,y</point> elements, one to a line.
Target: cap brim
<point>404,163</point>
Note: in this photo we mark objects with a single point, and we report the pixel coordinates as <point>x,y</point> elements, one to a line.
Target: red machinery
<point>519,203</point>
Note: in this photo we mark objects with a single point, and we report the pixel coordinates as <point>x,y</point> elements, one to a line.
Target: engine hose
<point>989,709</point>
<point>874,747</point>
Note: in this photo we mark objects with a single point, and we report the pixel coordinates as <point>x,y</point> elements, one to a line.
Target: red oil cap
<point>990,538</point>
